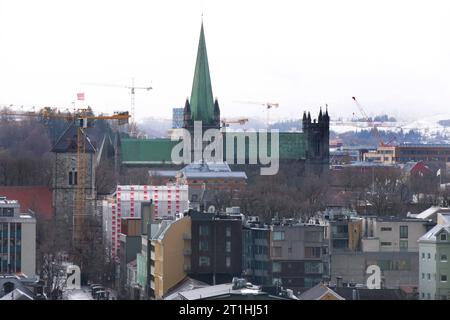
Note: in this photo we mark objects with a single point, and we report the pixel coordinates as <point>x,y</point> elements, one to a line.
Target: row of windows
<point>13,240</point>
<point>205,261</point>
<point>6,212</point>
<point>403,231</point>
<point>204,230</point>
<point>428,295</point>
<point>392,265</point>
<point>204,246</point>
<point>309,267</point>
<point>443,257</point>
<point>434,152</point>
<point>443,277</point>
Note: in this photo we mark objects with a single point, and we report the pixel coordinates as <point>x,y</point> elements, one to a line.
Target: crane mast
<point>80,118</point>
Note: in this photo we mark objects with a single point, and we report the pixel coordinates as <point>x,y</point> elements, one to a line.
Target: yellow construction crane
<point>133,127</point>
<point>267,105</point>
<point>227,122</point>
<point>80,117</point>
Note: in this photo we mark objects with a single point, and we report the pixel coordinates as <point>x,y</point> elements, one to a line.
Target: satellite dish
<point>211,209</point>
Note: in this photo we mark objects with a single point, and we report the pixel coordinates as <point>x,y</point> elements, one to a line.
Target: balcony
<point>187,236</point>
<point>152,270</point>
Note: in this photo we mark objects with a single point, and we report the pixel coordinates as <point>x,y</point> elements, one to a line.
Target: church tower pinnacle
<point>202,102</point>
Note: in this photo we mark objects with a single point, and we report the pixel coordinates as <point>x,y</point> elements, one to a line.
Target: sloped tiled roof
<point>36,198</point>
<point>67,142</point>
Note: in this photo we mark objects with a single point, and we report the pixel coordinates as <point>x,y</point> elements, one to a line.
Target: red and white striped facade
<point>126,202</point>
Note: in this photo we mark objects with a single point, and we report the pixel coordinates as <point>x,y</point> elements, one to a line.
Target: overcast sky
<point>393,55</point>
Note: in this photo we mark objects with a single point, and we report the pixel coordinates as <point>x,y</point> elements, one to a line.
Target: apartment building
<point>393,234</point>
<point>170,255</point>
<point>388,242</point>
<point>17,239</point>
<point>409,152</point>
<point>434,265</point>
<point>216,247</point>
<point>256,263</point>
<point>298,253</point>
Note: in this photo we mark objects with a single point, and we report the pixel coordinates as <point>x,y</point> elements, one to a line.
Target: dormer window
<point>443,237</point>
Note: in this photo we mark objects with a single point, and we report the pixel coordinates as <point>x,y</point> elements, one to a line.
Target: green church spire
<point>202,102</point>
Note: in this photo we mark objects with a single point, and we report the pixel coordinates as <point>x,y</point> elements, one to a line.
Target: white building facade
<point>17,240</point>
<point>167,201</point>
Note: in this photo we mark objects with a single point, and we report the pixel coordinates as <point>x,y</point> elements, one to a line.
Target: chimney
<point>338,282</point>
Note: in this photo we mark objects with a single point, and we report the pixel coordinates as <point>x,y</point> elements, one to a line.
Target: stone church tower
<point>65,179</point>
<point>317,142</point>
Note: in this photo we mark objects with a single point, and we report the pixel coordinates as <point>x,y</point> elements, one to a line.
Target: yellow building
<point>170,255</point>
<point>383,154</point>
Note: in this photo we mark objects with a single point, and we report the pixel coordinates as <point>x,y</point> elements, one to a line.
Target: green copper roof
<point>291,145</point>
<point>158,151</point>
<point>151,151</point>
<point>202,102</point>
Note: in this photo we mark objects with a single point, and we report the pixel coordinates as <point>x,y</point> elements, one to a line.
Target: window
<point>428,296</point>
<point>228,232</point>
<point>443,258</point>
<point>423,294</point>
<point>403,232</point>
<point>313,267</point>
<point>204,230</point>
<point>228,246</point>
<point>386,244</point>
<point>443,278</point>
<point>386,229</point>
<point>7,212</point>
<point>276,267</point>
<point>428,276</point>
<point>312,252</point>
<point>203,245</point>
<point>423,275</point>
<point>429,256</point>
<point>204,261</point>
<point>403,245</point>
<point>228,261</point>
<point>278,235</point>
<point>276,251</point>
<point>423,255</point>
<point>194,198</point>
<point>73,177</point>
<point>443,237</point>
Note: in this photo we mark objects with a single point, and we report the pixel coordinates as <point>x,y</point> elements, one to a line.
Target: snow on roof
<point>431,211</point>
<point>430,236</point>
